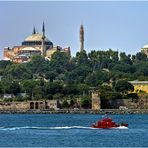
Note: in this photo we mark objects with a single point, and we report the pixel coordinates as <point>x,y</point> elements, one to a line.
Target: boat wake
<point>122,127</point>
<point>54,128</point>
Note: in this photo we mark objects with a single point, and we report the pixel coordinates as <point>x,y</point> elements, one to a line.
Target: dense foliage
<point>70,78</point>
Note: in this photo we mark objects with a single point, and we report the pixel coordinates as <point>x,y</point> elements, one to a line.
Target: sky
<point>121,26</point>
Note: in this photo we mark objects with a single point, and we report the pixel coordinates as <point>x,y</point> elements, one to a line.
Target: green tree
<point>38,65</point>
<point>85,102</point>
<point>11,86</point>
<point>51,75</point>
<point>140,57</point>
<point>65,104</point>
<point>28,87</point>
<point>82,58</point>
<point>123,86</point>
<point>1,88</point>
<point>83,89</point>
<point>60,62</point>
<point>52,88</point>
<point>37,92</point>
<point>70,90</point>
<point>3,65</point>
<point>91,80</point>
<point>18,71</point>
<point>125,59</point>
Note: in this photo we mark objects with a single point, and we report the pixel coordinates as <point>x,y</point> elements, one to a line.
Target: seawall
<point>71,111</point>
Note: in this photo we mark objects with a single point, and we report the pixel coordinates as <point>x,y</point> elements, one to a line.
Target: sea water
<point>70,130</point>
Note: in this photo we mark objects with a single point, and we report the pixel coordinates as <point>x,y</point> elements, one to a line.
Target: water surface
<point>70,130</point>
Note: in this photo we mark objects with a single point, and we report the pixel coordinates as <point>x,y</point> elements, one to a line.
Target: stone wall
<point>141,103</point>
<point>14,106</point>
<point>30,105</point>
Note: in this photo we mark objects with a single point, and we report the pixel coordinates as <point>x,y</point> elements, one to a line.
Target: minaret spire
<point>34,32</point>
<point>81,38</point>
<point>43,29</point>
<point>43,41</point>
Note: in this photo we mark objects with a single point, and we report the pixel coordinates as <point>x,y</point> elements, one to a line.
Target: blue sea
<point>70,130</point>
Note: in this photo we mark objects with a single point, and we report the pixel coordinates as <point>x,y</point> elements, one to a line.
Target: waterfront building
<point>34,44</point>
<point>140,86</point>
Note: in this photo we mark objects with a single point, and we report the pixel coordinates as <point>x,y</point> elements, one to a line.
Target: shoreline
<point>82,111</point>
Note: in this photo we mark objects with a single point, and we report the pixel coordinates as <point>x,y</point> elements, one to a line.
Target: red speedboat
<point>107,123</point>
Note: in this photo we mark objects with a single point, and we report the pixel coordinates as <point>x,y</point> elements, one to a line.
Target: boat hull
<point>109,126</point>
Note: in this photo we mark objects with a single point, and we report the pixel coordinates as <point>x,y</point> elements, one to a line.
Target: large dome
<point>35,37</point>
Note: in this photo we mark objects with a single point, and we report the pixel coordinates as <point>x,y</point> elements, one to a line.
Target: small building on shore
<point>140,86</point>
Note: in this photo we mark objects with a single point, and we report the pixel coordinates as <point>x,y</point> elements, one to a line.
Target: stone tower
<point>81,38</point>
<point>43,41</point>
<point>96,104</point>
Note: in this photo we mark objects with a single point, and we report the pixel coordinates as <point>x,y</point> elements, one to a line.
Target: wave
<point>54,128</point>
<point>44,128</point>
<point>122,127</point>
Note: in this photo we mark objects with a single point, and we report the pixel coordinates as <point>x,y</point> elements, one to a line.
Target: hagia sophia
<point>35,44</point>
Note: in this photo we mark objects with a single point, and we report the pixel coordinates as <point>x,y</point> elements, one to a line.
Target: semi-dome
<point>30,49</point>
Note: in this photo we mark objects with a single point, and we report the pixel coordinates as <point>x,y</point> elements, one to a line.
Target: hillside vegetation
<point>69,78</point>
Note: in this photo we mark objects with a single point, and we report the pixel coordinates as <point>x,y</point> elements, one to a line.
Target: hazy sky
<point>122,26</point>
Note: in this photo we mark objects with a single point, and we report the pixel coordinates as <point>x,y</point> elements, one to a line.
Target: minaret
<point>34,32</point>
<point>81,38</point>
<point>43,41</point>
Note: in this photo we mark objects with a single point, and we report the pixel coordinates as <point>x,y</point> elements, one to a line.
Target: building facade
<point>35,44</point>
<point>140,86</point>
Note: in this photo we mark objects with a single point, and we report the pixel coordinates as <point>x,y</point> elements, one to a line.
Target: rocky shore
<point>72,111</point>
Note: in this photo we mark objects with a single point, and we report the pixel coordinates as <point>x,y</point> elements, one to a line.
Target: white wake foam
<point>44,128</point>
<point>55,128</point>
<point>122,127</point>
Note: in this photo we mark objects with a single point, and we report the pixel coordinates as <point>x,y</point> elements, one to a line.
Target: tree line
<point>65,77</point>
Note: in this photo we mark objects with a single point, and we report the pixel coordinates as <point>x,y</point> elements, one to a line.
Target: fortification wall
<point>33,105</point>
<point>14,106</point>
<point>141,103</point>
